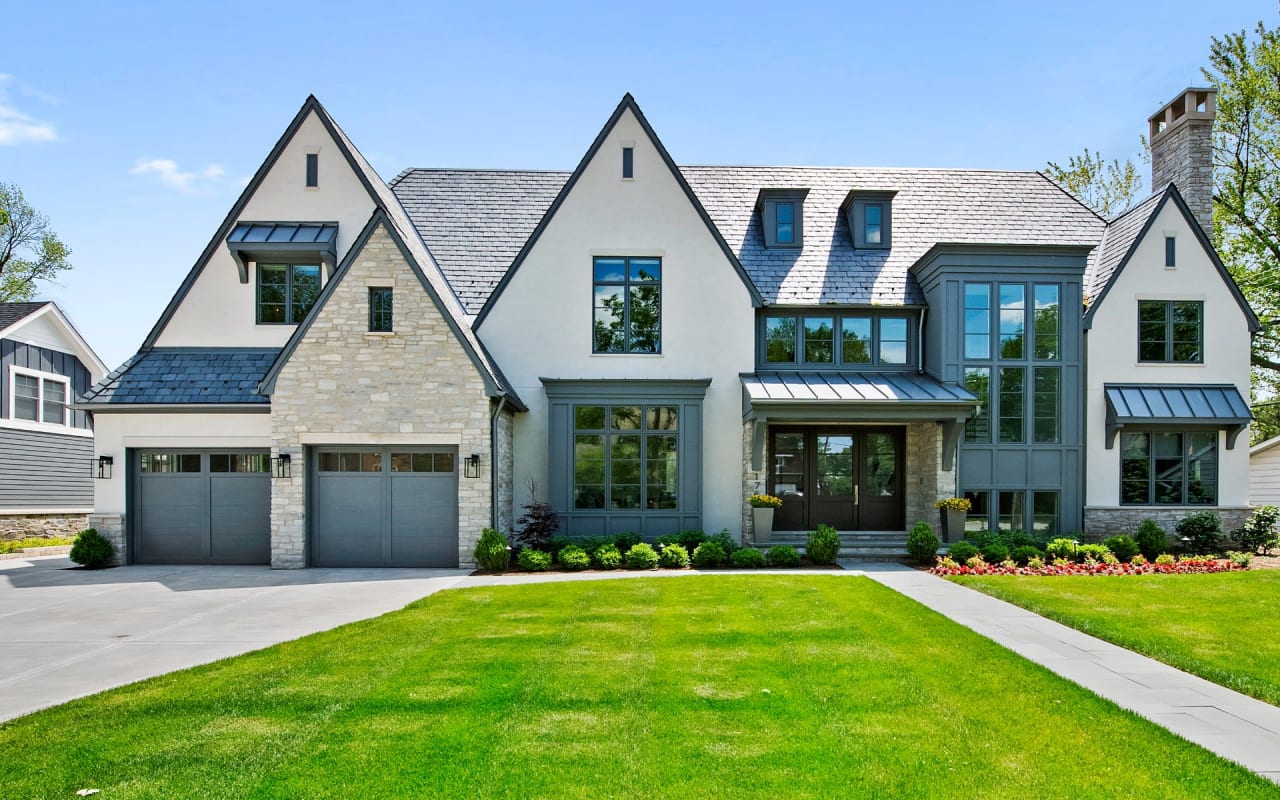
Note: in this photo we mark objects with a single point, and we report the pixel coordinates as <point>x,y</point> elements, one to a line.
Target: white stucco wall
<point>541,324</point>
<point>219,311</point>
<point>1113,351</point>
<point>114,432</point>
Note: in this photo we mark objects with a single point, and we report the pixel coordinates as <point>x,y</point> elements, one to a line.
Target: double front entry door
<point>848,478</point>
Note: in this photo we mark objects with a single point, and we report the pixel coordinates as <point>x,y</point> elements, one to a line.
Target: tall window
<point>978,381</point>
<point>855,334</point>
<point>1013,382</point>
<point>625,457</point>
<point>893,340</point>
<point>313,170</point>
<point>286,292</point>
<point>873,215</point>
<point>1171,331</point>
<point>819,340</point>
<point>785,232</point>
<point>1044,404</point>
<point>1158,468</point>
<point>380,319</point>
<point>1013,319</point>
<point>1047,330</point>
<point>39,398</point>
<point>977,320</point>
<point>628,305</point>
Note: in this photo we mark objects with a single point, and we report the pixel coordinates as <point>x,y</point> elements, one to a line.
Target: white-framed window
<point>40,398</point>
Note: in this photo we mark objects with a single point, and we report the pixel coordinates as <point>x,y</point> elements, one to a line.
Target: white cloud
<point>18,127</point>
<point>167,170</point>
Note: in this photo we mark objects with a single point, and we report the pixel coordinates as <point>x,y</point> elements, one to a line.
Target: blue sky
<point>134,125</point>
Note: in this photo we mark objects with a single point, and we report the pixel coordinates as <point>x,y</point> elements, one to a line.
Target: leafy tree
<point>29,249</point>
<point>1107,188</point>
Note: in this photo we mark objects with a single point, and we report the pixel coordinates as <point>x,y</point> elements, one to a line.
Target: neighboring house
<point>1264,473</point>
<point>362,374</point>
<point>46,447</point>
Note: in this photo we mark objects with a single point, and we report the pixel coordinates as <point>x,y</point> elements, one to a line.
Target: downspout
<point>920,342</point>
<point>493,463</point>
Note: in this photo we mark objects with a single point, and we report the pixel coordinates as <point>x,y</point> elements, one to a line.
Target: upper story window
<point>1170,251</point>
<point>286,292</point>
<point>380,319</point>
<point>38,397</point>
<point>628,163</point>
<point>1171,331</point>
<point>313,170</point>
<point>852,339</point>
<point>869,215</point>
<point>782,217</point>
<point>627,313</point>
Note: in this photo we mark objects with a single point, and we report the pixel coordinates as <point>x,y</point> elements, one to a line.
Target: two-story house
<point>362,373</point>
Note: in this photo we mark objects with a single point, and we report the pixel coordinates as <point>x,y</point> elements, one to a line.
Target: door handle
<point>855,494</point>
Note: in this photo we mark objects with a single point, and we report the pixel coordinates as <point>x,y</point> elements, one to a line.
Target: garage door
<point>384,507</point>
<point>202,507</point>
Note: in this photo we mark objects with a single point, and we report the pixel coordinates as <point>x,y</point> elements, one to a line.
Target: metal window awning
<point>1159,405</point>
<point>263,241</point>
<point>833,396</point>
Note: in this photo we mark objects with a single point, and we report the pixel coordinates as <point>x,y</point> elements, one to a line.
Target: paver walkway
<point>1233,725</point>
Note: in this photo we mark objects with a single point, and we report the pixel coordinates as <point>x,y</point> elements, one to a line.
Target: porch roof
<point>1176,405</point>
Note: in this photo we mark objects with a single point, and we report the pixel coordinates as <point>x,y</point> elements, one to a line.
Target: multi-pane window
<point>1160,468</point>
<point>872,223</point>
<point>422,462</point>
<point>627,305</point>
<point>1171,330</point>
<point>1012,511</point>
<point>239,462</point>
<point>978,381</point>
<point>978,519</point>
<point>38,398</point>
<point>855,339</point>
<point>1044,404</point>
<point>286,292</point>
<point>977,320</point>
<point>785,230</point>
<point>353,461</point>
<point>380,319</point>
<point>1013,319</point>
<point>170,462</point>
<point>626,457</point>
<point>1047,331</point>
<point>1044,513</point>
<point>1012,404</point>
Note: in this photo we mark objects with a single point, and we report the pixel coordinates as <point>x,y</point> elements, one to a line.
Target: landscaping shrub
<point>534,560</point>
<point>557,543</point>
<point>1024,553</point>
<point>995,552</point>
<point>606,556</point>
<point>1097,552</point>
<point>537,525</point>
<point>1151,538</point>
<point>1259,532</point>
<point>1164,565</point>
<point>726,541</point>
<point>1010,539</point>
<point>1165,558</point>
<point>574,558</point>
<point>642,556</point>
<point>1203,528</point>
<point>708,554</point>
<point>1239,559</point>
<point>747,558</point>
<point>823,545</point>
<point>625,541</point>
<point>91,549</point>
<point>783,555</point>
<point>1124,547</point>
<point>1061,548</point>
<point>673,556</point>
<point>962,551</point>
<point>689,539</point>
<point>492,552</point>
<point>922,544</point>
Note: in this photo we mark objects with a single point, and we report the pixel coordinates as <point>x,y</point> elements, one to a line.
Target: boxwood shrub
<point>708,554</point>
<point>642,556</point>
<point>606,556</point>
<point>823,545</point>
<point>534,560</point>
<point>747,558</point>
<point>673,556</point>
<point>91,549</point>
<point>962,551</point>
<point>574,558</point>
<point>492,552</point>
<point>783,555</point>
<point>922,544</point>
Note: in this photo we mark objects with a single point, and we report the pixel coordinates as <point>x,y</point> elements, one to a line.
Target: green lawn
<point>1221,627</point>
<point>706,687</point>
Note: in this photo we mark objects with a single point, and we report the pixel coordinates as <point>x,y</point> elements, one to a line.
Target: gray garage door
<point>384,507</point>
<point>202,507</point>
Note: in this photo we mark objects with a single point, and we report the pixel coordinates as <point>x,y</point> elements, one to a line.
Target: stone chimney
<point>1181,139</point>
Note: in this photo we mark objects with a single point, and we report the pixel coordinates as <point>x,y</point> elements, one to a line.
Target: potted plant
<point>952,510</point>
<point>762,508</point>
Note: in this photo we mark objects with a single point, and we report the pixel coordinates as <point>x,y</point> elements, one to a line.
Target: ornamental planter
<point>952,524</point>
<point>761,524</point>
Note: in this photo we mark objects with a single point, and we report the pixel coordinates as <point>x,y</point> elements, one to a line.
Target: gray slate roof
<point>16,312</point>
<point>859,387</point>
<point>1120,235</point>
<point>182,375</point>
<point>475,222</point>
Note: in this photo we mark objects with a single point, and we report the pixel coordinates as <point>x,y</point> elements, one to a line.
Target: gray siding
<point>39,358</point>
<point>1004,467</point>
<point>45,470</point>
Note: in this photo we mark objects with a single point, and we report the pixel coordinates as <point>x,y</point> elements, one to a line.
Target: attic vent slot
<point>628,162</point>
<point>313,170</point>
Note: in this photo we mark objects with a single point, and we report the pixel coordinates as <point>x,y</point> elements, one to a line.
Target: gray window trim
<point>313,170</point>
<point>1168,333</point>
<point>1171,251</point>
<point>288,293</point>
<point>381,321</point>
<point>1151,458</point>
<point>855,209</point>
<point>627,285</point>
<point>628,163</point>
<point>768,204</point>
<point>911,315</point>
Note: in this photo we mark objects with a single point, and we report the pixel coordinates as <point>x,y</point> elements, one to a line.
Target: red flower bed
<point>1184,566</point>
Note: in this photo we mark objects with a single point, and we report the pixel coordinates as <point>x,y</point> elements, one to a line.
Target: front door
<point>848,478</point>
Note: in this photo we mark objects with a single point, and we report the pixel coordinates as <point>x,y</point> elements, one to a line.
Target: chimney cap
<point>1194,102</point>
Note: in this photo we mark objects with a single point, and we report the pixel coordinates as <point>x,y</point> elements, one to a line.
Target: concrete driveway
<point>66,632</point>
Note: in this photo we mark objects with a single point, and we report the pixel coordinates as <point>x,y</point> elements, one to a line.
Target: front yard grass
<point>702,686</point>
<point>1221,627</point>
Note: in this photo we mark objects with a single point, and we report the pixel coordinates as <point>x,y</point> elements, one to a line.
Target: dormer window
<point>869,217</point>
<point>782,217</point>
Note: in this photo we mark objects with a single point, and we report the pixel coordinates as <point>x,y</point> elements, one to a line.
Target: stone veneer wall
<point>344,385</point>
<point>1102,523</point>
<point>505,460</point>
<point>111,526</point>
<point>925,481</point>
<point>23,526</point>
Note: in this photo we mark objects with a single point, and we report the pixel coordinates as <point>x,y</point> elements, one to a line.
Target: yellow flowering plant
<point>954,504</point>
<point>765,501</point>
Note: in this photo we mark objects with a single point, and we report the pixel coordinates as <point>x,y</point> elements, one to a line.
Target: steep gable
<point>44,325</point>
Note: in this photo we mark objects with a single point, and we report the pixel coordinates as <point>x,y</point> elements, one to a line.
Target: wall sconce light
<point>282,466</point>
<point>104,467</point>
<point>473,465</point>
